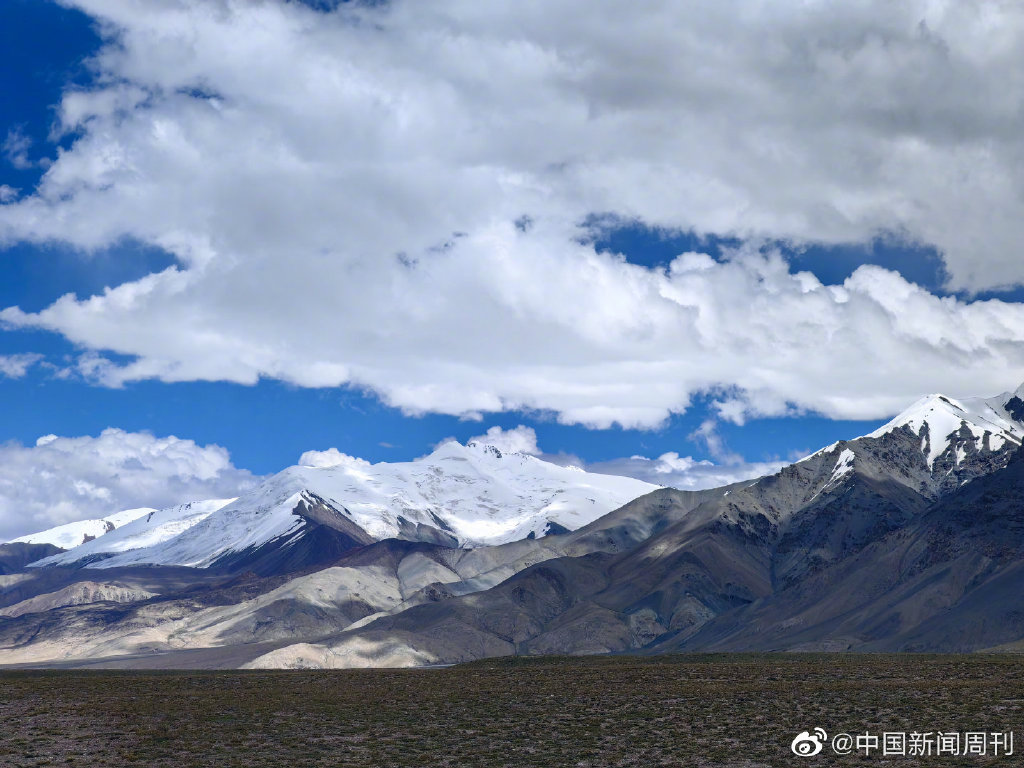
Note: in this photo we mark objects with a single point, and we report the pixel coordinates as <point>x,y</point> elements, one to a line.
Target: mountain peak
<point>465,495</point>
<point>451,449</point>
<point>472,449</point>
<point>486,448</point>
<point>73,534</point>
<point>936,418</point>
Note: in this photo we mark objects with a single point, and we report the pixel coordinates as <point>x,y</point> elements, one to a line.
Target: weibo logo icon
<point>807,744</point>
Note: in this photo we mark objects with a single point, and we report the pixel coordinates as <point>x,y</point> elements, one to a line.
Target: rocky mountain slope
<point>904,539</point>
<point>15,556</point>
<point>947,581</point>
<point>750,549</point>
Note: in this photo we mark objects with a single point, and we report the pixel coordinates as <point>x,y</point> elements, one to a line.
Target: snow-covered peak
<point>476,492</point>
<point>472,451</point>
<point>471,494</point>
<point>73,534</point>
<point>937,418</point>
<point>493,451</point>
<point>149,529</point>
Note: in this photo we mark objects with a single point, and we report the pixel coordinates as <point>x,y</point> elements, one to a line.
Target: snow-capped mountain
<point>474,495</point>
<point>151,528</point>
<point>83,531</point>
<point>474,492</point>
<point>908,538</point>
<point>948,425</point>
<point>459,495</point>
<point>937,444</point>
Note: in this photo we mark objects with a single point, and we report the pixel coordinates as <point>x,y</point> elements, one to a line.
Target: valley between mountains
<point>910,538</point>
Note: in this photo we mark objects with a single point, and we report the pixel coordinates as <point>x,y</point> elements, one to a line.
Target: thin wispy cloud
<point>15,149</point>
<point>16,366</point>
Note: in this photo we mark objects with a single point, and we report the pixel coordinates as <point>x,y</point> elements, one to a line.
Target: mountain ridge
<point>513,496</point>
<point>866,544</point>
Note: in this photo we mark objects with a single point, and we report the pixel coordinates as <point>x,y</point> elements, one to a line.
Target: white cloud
<point>670,469</point>
<point>685,472</point>
<point>63,479</point>
<point>521,439</point>
<point>332,457</point>
<point>707,434</point>
<point>8,193</point>
<point>15,148</point>
<point>341,191</point>
<point>16,366</point>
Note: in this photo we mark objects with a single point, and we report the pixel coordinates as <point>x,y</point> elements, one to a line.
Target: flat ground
<point>713,710</point>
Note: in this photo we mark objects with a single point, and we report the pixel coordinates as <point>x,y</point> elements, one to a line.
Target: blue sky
<point>375,226</point>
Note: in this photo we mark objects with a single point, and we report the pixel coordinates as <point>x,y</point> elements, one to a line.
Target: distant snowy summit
<point>74,534</point>
<point>149,529</point>
<point>459,495</point>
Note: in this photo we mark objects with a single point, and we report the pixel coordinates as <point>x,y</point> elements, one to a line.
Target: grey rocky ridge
<point>906,539</point>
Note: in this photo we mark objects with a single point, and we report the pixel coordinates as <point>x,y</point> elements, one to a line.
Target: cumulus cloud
<point>342,192</point>
<point>62,479</point>
<point>332,457</point>
<point>521,439</point>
